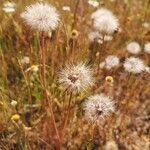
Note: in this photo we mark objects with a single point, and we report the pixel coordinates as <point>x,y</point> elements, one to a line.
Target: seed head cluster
<point>110,62</point>
<point>134,65</point>
<point>76,77</point>
<point>104,21</point>
<point>133,47</point>
<point>98,107</point>
<point>41,16</point>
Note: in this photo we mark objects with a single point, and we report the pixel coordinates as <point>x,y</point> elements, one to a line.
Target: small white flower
<point>147,69</point>
<point>9,7</point>
<point>66,8</point>
<point>34,68</point>
<point>98,107</point>
<point>41,16</point>
<point>14,103</point>
<point>102,65</point>
<point>147,47</point>
<point>93,3</point>
<point>93,36</point>
<point>134,65</point>
<point>9,4</point>
<point>8,10</point>
<point>96,36</point>
<point>25,60</point>
<point>110,62</point>
<point>108,38</point>
<point>104,21</point>
<point>120,30</point>
<point>146,25</point>
<point>133,48</point>
<point>76,78</point>
<point>111,145</point>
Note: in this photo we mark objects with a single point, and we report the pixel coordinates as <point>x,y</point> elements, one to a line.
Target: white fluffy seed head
<point>111,61</point>
<point>25,60</point>
<point>106,24</point>
<point>98,107</point>
<point>134,65</point>
<point>104,21</point>
<point>147,48</point>
<point>133,48</point>
<point>100,12</point>
<point>76,78</point>
<point>41,16</point>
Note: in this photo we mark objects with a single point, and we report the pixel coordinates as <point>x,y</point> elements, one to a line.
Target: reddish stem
<point>47,100</point>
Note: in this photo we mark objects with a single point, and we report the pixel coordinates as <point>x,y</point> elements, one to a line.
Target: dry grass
<point>128,127</point>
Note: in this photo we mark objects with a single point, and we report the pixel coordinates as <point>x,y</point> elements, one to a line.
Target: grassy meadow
<point>37,112</point>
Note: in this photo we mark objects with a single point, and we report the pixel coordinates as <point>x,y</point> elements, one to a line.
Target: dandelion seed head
<point>104,21</point>
<point>25,60</point>
<point>134,65</point>
<point>133,48</point>
<point>98,107</point>
<point>76,77</point>
<point>147,47</point>
<point>111,61</point>
<point>100,12</point>
<point>41,16</point>
<point>106,24</point>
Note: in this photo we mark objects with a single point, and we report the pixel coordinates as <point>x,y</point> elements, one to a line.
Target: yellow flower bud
<point>15,117</point>
<point>13,103</point>
<point>109,79</point>
<point>74,34</point>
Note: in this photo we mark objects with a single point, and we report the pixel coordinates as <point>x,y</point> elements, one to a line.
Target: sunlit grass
<point>29,123</point>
